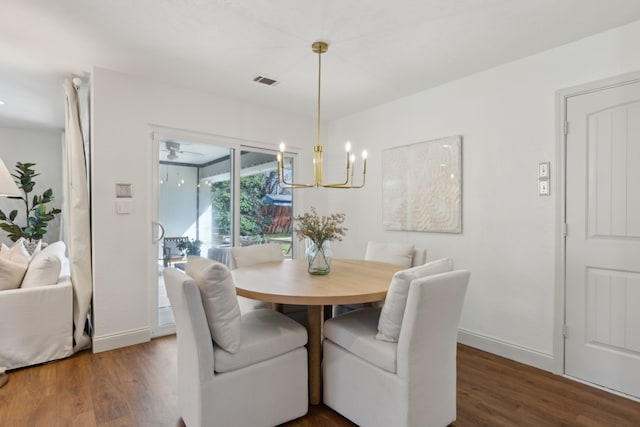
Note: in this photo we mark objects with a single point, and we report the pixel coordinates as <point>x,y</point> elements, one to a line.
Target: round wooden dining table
<point>287,282</point>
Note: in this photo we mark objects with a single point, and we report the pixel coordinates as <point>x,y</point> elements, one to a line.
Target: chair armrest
<point>58,296</point>
<point>195,345</point>
<point>430,323</point>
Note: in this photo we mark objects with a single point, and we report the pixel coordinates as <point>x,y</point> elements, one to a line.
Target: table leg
<point>314,314</point>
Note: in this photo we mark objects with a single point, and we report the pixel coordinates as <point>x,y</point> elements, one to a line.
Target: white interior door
<point>602,343</point>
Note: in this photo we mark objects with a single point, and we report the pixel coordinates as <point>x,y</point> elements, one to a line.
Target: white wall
<point>124,108</point>
<point>44,148</point>
<point>507,117</point>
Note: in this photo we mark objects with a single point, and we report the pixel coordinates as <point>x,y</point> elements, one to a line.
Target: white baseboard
<point>121,339</point>
<point>506,349</point>
<point>599,387</point>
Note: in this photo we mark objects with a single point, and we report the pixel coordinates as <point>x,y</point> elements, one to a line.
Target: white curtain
<point>78,218</point>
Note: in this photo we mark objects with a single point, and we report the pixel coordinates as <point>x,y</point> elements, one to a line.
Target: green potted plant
<point>190,246</point>
<point>37,214</point>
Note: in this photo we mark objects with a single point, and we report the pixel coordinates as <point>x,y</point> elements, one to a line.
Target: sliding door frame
<point>236,146</point>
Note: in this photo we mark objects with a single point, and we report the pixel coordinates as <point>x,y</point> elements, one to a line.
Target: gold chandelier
<point>320,48</point>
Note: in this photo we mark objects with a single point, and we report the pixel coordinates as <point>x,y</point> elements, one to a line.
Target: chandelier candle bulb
<point>347,148</point>
<point>353,162</point>
<point>364,165</point>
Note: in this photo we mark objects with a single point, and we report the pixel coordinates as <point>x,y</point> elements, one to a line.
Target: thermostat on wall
<point>124,190</point>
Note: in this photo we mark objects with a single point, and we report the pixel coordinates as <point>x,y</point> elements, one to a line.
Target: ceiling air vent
<point>265,80</point>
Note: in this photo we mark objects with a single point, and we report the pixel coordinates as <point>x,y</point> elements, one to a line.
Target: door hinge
<point>565,229</point>
<point>564,330</point>
<point>566,128</point>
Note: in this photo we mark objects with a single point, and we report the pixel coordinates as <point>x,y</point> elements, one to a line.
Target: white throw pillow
<point>44,268</point>
<point>11,273</point>
<point>13,265</point>
<point>257,254</point>
<point>392,253</point>
<point>392,312</point>
<point>18,252</point>
<point>219,300</point>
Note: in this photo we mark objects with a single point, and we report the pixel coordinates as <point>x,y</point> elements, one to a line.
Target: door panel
<point>265,207</point>
<point>186,172</point>
<point>603,240</point>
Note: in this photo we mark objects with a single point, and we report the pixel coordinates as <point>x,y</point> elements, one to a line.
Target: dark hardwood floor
<point>136,386</point>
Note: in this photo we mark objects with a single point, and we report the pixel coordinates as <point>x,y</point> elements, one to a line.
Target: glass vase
<point>318,257</point>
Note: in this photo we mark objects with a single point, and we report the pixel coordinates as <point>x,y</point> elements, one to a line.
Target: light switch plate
<point>543,170</point>
<point>543,187</point>
<point>124,206</point>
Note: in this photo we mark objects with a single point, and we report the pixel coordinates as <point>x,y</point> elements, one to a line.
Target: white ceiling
<point>379,50</point>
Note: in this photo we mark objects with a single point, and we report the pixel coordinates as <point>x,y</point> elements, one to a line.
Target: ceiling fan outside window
<point>174,151</point>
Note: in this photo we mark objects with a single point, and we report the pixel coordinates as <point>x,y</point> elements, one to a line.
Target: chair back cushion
<point>218,299</point>
<point>419,257</point>
<point>245,256</point>
<point>390,321</point>
<point>392,253</point>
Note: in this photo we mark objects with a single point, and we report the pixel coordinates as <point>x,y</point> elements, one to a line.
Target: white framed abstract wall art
<point>422,186</point>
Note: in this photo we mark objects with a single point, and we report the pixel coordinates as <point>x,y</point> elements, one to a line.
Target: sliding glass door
<point>265,208</point>
<point>186,216</point>
<point>203,209</point>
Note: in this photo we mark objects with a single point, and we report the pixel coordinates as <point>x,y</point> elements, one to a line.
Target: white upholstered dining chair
<point>374,381</point>
<point>233,369</point>
<point>245,256</point>
<point>396,253</point>
<point>405,255</point>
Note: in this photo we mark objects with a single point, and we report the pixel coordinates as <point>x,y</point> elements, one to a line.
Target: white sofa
<point>36,323</point>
